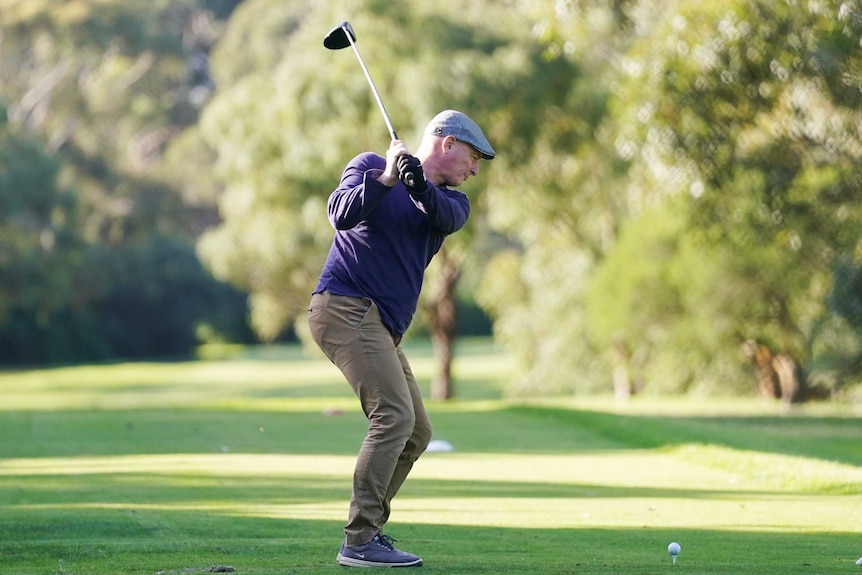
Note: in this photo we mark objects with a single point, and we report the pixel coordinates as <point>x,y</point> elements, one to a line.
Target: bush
<point>144,300</point>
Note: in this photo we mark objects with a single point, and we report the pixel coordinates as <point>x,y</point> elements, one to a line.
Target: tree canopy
<point>726,167</point>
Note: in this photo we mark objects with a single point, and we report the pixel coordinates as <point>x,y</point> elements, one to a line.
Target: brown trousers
<point>350,332</point>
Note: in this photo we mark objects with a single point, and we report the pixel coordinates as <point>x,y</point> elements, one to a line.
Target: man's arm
<point>447,210</point>
<point>366,179</point>
<point>358,193</point>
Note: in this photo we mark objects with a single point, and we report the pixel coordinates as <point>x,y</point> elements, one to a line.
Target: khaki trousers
<point>351,334</point>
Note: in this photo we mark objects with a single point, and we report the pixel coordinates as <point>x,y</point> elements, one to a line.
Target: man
<point>391,216</point>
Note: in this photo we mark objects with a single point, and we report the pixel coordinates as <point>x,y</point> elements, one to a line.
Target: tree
<point>38,242</point>
<point>716,138</point>
<point>562,198</point>
<point>655,305</point>
<point>745,106</point>
<point>92,92</point>
<point>842,356</point>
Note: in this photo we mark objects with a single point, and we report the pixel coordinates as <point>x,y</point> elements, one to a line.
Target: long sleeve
<point>357,195</point>
<point>447,210</point>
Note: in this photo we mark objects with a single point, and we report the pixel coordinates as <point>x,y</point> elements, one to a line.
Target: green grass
<point>174,468</point>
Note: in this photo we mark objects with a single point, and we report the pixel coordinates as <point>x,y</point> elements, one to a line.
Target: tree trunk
<point>443,324</point>
<point>788,378</point>
<point>778,376</point>
<point>622,382</point>
<point>764,370</point>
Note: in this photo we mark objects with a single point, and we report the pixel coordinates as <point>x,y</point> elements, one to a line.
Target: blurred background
<point>674,208</point>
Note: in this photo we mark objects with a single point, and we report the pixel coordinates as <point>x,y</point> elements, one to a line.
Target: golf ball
<point>674,548</point>
<point>859,561</point>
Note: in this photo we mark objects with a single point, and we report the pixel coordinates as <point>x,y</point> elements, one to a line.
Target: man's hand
<point>396,150</point>
<point>410,172</point>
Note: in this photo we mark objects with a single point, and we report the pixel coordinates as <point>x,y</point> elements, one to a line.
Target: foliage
<point>560,194</point>
<point>141,300</point>
<point>92,229</point>
<point>739,118</point>
<point>745,108</point>
<point>38,240</point>
<point>839,352</point>
<point>655,304</point>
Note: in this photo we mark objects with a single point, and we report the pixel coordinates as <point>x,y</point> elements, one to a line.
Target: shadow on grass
<point>129,489</point>
<point>837,439</point>
<point>512,429</point>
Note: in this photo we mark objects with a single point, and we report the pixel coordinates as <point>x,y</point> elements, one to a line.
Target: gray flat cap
<point>459,126</point>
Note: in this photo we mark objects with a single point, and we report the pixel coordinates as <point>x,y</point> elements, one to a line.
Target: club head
<point>338,36</point>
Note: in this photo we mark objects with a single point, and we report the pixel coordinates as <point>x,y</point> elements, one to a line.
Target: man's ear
<point>448,142</point>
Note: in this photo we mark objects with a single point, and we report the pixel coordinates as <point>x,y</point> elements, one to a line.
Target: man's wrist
<point>388,181</point>
<point>419,189</point>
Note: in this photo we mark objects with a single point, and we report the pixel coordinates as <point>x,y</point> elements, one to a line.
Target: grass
<point>181,468</point>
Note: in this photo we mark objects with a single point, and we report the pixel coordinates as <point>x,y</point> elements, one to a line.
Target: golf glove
<point>410,172</point>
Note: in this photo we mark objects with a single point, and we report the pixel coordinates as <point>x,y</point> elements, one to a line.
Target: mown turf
<point>245,462</point>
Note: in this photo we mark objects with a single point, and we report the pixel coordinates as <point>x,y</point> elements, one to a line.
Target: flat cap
<point>459,126</point>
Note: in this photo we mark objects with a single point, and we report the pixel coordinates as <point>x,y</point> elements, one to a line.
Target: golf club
<point>343,36</point>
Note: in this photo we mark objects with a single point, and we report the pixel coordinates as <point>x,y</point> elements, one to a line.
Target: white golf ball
<point>859,561</point>
<point>674,548</point>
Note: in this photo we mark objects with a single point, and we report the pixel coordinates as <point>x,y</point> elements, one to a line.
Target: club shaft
<point>392,133</point>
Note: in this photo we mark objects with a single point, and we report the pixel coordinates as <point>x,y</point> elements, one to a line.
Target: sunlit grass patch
<point>141,385</point>
<point>777,472</point>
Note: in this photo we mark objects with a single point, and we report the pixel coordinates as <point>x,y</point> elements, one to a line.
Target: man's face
<point>462,162</point>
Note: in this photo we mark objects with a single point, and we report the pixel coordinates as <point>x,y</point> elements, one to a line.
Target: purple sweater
<point>385,238</point>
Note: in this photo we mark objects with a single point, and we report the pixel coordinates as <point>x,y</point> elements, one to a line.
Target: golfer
<point>390,216</point>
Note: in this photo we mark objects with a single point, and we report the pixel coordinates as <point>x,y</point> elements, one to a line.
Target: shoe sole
<point>351,562</point>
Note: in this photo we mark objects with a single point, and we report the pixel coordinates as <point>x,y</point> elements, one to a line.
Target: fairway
<point>245,462</point>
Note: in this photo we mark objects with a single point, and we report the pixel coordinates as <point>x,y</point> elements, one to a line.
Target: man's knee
<point>421,437</point>
<point>418,441</point>
<point>396,425</point>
